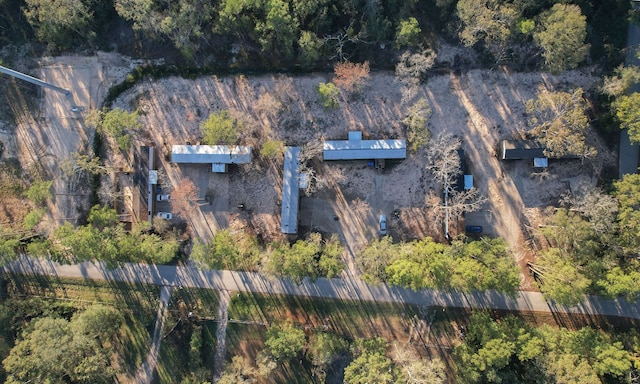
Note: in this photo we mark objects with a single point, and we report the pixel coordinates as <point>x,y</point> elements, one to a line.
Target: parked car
<point>383,224</point>
<point>162,197</point>
<point>164,215</point>
<point>473,229</point>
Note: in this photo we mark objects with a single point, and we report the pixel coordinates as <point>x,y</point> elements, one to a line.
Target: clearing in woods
<point>481,107</point>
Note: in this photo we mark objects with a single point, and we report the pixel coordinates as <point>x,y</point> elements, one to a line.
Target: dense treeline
<point>313,33</point>
<point>56,342</point>
<point>463,265</point>
<point>593,245</point>
<point>104,238</point>
<point>511,351</point>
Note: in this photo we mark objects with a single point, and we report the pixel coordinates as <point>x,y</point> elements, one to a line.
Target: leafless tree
<point>465,201</point>
<point>595,205</point>
<point>310,150</point>
<point>443,160</point>
<point>417,370</point>
<point>184,197</point>
<point>340,39</point>
<point>412,67</point>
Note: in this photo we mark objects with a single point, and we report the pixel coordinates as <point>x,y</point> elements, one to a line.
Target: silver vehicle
<point>383,224</point>
<point>162,197</point>
<point>164,215</point>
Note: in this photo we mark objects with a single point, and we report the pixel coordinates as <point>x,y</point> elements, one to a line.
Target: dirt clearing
<point>482,107</point>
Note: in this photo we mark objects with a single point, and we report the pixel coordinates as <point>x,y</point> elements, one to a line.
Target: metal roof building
<point>357,149</point>
<point>216,155</point>
<point>290,190</point>
<point>521,149</point>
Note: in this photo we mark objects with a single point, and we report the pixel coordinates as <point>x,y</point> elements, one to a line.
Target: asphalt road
<point>347,289</point>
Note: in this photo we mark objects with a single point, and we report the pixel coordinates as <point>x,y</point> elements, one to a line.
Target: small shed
<point>357,149</point>
<point>540,162</point>
<point>468,182</point>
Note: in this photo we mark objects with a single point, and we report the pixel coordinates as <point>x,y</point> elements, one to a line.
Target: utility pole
<point>33,80</point>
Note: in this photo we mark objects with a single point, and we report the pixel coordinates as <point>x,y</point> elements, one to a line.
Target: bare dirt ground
<point>44,138</point>
<point>482,107</point>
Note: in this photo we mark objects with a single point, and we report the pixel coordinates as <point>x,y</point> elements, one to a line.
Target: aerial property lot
<point>480,107</point>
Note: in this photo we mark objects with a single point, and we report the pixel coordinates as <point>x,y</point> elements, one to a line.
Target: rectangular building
<point>290,190</point>
<point>219,156</point>
<point>357,149</point>
<point>521,150</point>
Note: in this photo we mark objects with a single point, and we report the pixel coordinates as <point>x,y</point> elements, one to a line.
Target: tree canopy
<point>285,341</point>
<point>312,258</point>
<point>59,22</point>
<point>221,128</point>
<point>479,264</point>
<point>54,350</point>
<point>103,240</point>
<point>508,350</point>
<point>560,123</point>
<point>561,36</point>
<point>626,110</point>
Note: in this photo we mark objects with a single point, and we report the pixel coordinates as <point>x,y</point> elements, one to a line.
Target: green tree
<point>306,258</point>
<point>33,218</point>
<point>417,115</point>
<point>182,21</point>
<point>278,32</point>
<point>561,278</point>
<point>571,369</point>
<point>285,341</point>
<point>489,21</point>
<point>560,123</point>
<point>102,217</point>
<point>39,192</point>
<point>117,123</point>
<point>621,282</point>
<point>310,48</point>
<point>272,149</point>
<point>627,192</point>
<point>328,95</point>
<point>59,22</point>
<point>98,321</point>
<point>325,348</point>
<point>51,352</point>
<point>484,264</point>
<point>626,110</point>
<point>232,251</point>
<point>221,128</point>
<point>370,364</point>
<point>621,81</point>
<point>561,35</point>
<point>374,259</point>
<point>239,371</point>
<point>407,33</point>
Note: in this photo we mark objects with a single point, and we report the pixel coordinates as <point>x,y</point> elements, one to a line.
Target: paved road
<point>628,158</point>
<point>348,289</point>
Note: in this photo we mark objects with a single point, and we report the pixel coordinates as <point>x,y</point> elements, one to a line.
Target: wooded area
<point>310,33</point>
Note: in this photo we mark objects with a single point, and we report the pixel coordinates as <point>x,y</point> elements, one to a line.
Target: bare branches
<point>466,201</point>
<point>443,159</point>
<point>183,197</point>
<point>412,67</point>
<point>351,76</point>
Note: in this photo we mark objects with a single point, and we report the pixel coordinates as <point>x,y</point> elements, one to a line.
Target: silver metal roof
<point>213,154</point>
<point>356,149</point>
<point>290,190</point>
